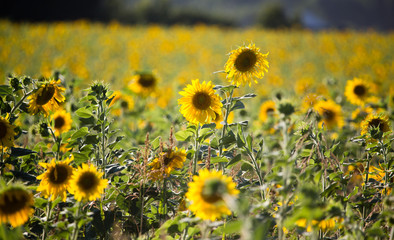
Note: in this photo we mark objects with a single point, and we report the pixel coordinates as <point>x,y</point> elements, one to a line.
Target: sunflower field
<point>150,132</point>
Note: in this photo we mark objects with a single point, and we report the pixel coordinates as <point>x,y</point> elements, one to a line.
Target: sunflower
<point>267,109</point>
<point>7,132</point>
<point>378,174</point>
<point>171,159</point>
<point>358,91</point>
<point>245,64</point>
<point>199,103</point>
<point>309,101</point>
<point>143,83</point>
<point>380,121</point>
<point>330,113</point>
<point>219,119</point>
<point>62,121</point>
<point>46,98</point>
<point>87,184</point>
<point>208,192</point>
<point>55,181</point>
<point>15,205</point>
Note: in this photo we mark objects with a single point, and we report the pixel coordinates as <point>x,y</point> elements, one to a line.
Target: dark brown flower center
<point>59,122</point>
<point>3,129</point>
<point>146,80</point>
<point>375,123</point>
<point>245,61</point>
<point>201,101</point>
<point>270,110</point>
<point>87,181</point>
<point>46,95</point>
<point>59,174</point>
<point>328,115</point>
<point>360,90</point>
<point>213,190</point>
<point>12,201</point>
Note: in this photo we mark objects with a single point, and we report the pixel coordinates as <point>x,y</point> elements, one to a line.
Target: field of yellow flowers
<point>149,132</point>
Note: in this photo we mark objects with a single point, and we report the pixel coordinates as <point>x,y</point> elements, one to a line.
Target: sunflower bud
<point>26,81</point>
<point>286,108</point>
<point>44,130</point>
<point>15,84</point>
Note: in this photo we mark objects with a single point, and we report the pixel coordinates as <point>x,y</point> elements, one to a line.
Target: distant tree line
<point>141,12</point>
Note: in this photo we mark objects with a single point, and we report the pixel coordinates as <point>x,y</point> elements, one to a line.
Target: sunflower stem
<point>102,112</point>
<point>197,148</point>
<point>365,185</point>
<point>48,215</point>
<point>21,101</point>
<point>74,235</point>
<point>229,101</point>
<point>56,141</point>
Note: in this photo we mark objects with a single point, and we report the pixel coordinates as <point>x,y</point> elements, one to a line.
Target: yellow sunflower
<point>15,205</point>
<point>55,181</point>
<point>172,160</point>
<point>245,64</point>
<point>143,83</point>
<point>309,101</point>
<point>267,109</point>
<point>6,132</point>
<point>62,121</point>
<point>208,193</point>
<point>380,121</point>
<point>378,174</point>
<point>358,91</point>
<point>200,103</point>
<point>46,98</point>
<point>87,184</point>
<point>330,113</point>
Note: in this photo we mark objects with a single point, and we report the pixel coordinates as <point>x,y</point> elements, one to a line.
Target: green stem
<point>386,167</point>
<point>102,112</point>
<point>229,102</point>
<point>74,235</point>
<point>164,200</point>
<point>257,169</point>
<point>48,215</point>
<point>197,148</point>
<point>20,101</point>
<point>365,185</point>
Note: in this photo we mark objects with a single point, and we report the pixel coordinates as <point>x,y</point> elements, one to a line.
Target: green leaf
<point>246,96</point>
<point>237,105</point>
<point>234,161</point>
<point>228,139</point>
<point>219,159</point>
<point>5,90</point>
<point>122,203</point>
<point>249,141</point>
<point>155,143</point>
<point>240,137</point>
<point>183,135</point>
<point>84,112</point>
<point>80,133</point>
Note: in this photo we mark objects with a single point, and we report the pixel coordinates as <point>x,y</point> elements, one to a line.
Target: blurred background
<point>311,14</point>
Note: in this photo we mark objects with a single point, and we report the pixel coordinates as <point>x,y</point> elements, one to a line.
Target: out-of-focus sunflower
<point>144,83</point>
<point>15,205</point>
<point>378,174</point>
<point>61,121</point>
<point>267,109</point>
<point>358,91</point>
<point>330,113</point>
<point>380,121</point>
<point>55,181</point>
<point>200,103</point>
<point>46,98</point>
<point>208,193</point>
<point>87,184</point>
<point>7,132</point>
<point>309,101</point>
<point>245,64</point>
<point>220,118</point>
<point>124,101</point>
<point>172,160</point>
